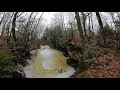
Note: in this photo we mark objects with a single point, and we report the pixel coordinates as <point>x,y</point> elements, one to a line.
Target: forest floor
<point>8,67</point>
<point>104,64</point>
<point>3,45</point>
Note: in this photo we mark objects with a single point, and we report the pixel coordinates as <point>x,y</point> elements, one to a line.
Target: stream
<point>47,62</point>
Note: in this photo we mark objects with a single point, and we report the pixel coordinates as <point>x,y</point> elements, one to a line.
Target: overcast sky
<point>48,16</point>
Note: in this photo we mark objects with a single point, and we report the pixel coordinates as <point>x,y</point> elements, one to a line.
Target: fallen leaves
<point>3,45</point>
<point>106,64</point>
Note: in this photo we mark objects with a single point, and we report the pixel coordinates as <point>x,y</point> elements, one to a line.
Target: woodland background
<point>89,39</point>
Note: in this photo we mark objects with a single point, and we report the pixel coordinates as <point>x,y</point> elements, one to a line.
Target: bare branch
<point>19,14</point>
<point>38,21</point>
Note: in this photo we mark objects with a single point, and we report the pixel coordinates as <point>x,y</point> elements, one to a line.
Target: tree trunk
<point>4,23</point>
<point>79,28</point>
<point>14,37</point>
<point>92,23</point>
<point>81,64</point>
<point>13,26</point>
<point>89,28</point>
<point>84,24</point>
<point>71,31</point>
<point>101,25</point>
<point>8,30</point>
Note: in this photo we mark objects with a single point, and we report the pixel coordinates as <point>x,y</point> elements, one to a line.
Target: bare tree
<point>89,28</point>
<point>84,23</point>
<point>92,22</point>
<point>114,22</point>
<point>4,21</point>
<point>101,26</point>
<point>84,16</point>
<point>71,23</point>
<point>8,32</point>
<point>2,18</point>
<point>79,28</point>
<point>81,63</point>
<point>14,25</point>
<point>118,29</point>
<point>38,21</point>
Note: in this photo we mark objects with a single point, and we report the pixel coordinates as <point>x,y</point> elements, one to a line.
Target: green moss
<point>10,68</point>
<point>7,65</point>
<point>84,74</point>
<point>6,58</point>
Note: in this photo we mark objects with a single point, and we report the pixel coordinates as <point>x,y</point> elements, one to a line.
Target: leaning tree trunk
<point>101,26</point>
